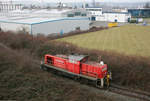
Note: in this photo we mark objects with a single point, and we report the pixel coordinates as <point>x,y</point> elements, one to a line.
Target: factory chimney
<point>84,4</point>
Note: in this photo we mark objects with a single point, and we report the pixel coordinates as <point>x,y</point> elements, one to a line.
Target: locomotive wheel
<point>98,83</point>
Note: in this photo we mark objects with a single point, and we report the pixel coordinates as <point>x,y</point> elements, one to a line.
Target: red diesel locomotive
<point>79,66</point>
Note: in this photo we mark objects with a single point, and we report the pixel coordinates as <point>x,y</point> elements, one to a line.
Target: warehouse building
<point>98,15</point>
<point>45,26</point>
<point>114,17</point>
<point>36,22</point>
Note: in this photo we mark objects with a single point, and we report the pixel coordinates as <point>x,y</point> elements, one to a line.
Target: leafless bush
<point>130,71</point>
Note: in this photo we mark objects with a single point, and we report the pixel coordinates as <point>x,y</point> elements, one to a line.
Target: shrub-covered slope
<point>22,79</point>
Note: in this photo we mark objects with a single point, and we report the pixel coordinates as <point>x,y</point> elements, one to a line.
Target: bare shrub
<point>132,71</point>
<point>21,79</point>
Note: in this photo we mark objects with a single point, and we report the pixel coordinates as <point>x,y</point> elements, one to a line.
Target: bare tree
<point>147,5</point>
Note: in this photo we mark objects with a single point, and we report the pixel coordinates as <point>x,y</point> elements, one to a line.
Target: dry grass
<point>129,40</point>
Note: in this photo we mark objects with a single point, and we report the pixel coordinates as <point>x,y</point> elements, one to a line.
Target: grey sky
<point>125,0</point>
<point>83,0</point>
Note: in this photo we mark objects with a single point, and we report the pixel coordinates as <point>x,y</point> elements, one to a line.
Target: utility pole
<point>84,4</point>
<point>93,3</point>
<point>42,3</point>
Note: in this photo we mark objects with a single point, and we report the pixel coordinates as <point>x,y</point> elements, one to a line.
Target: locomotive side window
<point>49,60</point>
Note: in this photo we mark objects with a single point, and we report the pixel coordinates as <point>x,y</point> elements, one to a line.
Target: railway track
<point>143,96</point>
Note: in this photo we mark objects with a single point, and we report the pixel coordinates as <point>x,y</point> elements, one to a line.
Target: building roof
<point>52,11</point>
<point>93,7</point>
<point>31,17</point>
<point>139,9</point>
<point>36,20</point>
<point>117,12</point>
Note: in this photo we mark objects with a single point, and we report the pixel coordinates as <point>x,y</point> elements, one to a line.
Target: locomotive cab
<point>48,59</point>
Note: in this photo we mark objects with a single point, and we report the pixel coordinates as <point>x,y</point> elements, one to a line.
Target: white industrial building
<point>97,14</point>
<point>94,11</point>
<point>42,22</point>
<point>114,17</point>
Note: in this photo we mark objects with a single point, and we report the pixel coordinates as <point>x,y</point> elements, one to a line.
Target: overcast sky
<point>83,0</point>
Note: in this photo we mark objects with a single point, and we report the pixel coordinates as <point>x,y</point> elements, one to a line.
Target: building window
<point>77,28</point>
